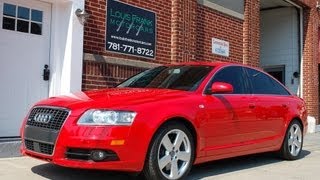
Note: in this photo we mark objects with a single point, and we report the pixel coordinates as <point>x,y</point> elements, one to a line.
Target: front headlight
<point>107,117</point>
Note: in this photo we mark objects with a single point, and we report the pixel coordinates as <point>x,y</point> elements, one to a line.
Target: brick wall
<point>184,33</point>
<point>211,23</point>
<point>97,75</point>
<point>251,32</point>
<point>310,57</point>
<point>95,28</point>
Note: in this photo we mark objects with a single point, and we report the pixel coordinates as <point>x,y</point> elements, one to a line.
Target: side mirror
<point>221,87</point>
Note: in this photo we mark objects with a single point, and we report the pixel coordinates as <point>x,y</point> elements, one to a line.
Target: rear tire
<point>293,141</point>
<point>171,153</point>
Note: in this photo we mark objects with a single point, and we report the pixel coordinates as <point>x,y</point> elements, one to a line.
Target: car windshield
<point>186,77</point>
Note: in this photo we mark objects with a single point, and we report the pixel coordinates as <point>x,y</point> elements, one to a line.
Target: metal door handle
<point>46,73</point>
<point>252,105</point>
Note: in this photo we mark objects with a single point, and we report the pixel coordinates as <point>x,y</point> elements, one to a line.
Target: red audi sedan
<point>164,120</point>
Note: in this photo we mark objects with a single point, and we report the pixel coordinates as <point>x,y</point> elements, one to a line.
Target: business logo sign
<point>220,47</point>
<point>130,30</point>
<point>42,118</point>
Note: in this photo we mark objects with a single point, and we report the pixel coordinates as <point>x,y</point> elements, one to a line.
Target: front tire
<point>293,141</point>
<point>171,153</point>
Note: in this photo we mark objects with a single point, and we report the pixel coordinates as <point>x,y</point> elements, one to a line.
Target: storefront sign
<point>220,47</point>
<point>130,30</point>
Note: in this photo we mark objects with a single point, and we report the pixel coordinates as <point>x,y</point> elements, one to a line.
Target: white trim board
<point>66,47</point>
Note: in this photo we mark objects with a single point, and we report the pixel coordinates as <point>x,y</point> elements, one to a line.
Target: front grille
<point>29,144</point>
<point>39,147</point>
<point>55,123</point>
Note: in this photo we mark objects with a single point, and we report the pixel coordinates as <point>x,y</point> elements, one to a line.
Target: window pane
<point>186,78</point>
<point>237,6</point>
<point>9,10</point>
<point>233,76</point>
<point>36,15</point>
<point>263,84</point>
<point>24,13</point>
<point>23,26</point>
<point>279,89</point>
<point>8,23</point>
<point>36,28</point>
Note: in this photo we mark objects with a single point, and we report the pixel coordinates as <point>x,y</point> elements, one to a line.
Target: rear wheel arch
<point>300,121</point>
<point>287,123</point>
<point>295,118</point>
<point>296,139</point>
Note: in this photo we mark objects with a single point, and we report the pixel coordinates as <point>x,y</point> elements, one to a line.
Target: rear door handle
<point>252,105</point>
<point>284,105</point>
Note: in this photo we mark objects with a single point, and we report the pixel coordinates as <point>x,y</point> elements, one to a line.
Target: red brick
<point>184,33</point>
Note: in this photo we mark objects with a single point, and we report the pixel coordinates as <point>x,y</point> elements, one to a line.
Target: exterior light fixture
<point>82,15</point>
<point>296,74</point>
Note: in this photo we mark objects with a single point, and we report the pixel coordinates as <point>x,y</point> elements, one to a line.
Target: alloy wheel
<point>174,154</point>
<point>295,140</point>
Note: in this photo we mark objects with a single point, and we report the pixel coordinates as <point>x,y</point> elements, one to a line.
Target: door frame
<point>277,68</point>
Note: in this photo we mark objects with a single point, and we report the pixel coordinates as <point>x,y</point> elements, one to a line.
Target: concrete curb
<point>10,149</point>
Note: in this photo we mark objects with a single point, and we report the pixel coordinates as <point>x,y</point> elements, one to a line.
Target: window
<point>263,84</point>
<point>233,75</point>
<point>187,78</point>
<point>277,72</point>
<point>22,19</point>
<point>230,7</point>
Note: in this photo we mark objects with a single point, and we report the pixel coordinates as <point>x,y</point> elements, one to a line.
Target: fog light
<point>98,155</point>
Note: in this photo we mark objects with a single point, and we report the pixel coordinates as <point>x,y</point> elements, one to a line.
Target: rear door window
<point>263,84</point>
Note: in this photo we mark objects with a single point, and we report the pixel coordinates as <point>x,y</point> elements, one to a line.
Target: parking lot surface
<point>261,166</point>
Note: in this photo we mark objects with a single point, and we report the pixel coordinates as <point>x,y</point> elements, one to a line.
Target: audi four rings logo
<point>42,118</point>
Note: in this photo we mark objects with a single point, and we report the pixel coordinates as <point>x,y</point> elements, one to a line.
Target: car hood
<point>115,97</point>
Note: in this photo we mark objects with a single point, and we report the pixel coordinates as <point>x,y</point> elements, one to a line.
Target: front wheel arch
<point>183,121</point>
<point>174,121</point>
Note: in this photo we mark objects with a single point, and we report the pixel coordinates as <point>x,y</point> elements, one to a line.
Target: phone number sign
<point>130,30</point>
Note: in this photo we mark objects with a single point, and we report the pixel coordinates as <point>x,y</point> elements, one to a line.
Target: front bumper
<point>130,157</point>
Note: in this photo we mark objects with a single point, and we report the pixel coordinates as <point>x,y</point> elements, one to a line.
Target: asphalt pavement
<point>261,166</point>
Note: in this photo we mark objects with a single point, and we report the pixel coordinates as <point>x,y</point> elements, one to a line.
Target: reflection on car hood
<point>113,97</point>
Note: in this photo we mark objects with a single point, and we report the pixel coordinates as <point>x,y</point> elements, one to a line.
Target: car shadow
<point>50,171</point>
<point>236,164</point>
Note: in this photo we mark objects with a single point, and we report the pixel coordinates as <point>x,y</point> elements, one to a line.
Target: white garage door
<point>24,51</point>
